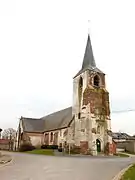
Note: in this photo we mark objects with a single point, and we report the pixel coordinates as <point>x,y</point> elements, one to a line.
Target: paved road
<point>38,167</point>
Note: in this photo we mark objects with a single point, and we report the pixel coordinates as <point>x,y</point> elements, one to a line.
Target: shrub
<point>44,147</point>
<point>60,149</point>
<point>49,147</point>
<point>26,147</point>
<point>53,147</point>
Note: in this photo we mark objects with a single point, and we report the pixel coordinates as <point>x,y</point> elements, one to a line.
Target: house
<point>85,125</point>
<point>123,141</point>
<point>121,137</point>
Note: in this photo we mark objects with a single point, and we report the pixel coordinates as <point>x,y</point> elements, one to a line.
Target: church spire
<point>88,60</point>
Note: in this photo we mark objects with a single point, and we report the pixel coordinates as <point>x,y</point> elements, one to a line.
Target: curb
<point>121,173</point>
<point>7,162</point>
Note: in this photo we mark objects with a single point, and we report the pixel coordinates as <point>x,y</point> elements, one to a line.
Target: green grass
<point>129,174</point>
<point>132,153</point>
<point>42,152</point>
<point>121,155</point>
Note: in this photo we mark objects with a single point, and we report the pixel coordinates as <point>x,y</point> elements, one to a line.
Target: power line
<point>123,111</point>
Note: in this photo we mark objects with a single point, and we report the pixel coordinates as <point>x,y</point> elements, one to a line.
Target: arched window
<point>80,88</point>
<point>51,139</point>
<point>81,82</point>
<point>21,136</point>
<point>79,115</point>
<point>96,81</point>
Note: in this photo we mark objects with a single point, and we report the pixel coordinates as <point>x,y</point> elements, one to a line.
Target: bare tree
<point>9,133</point>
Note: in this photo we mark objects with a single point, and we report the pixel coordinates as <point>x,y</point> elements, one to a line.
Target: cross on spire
<point>88,26</point>
<point>88,60</point>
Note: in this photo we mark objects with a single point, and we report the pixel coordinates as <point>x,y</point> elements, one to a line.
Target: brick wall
<point>4,144</point>
<point>96,98</point>
<point>35,139</point>
<point>83,147</point>
<point>110,148</point>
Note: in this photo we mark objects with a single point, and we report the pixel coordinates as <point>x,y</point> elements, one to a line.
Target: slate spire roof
<point>88,60</point>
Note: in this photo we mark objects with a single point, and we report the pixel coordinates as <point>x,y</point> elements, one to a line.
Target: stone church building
<point>85,125</point>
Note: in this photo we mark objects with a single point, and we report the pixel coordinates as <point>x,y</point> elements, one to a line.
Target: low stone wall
<point>4,144</point>
<point>127,146</point>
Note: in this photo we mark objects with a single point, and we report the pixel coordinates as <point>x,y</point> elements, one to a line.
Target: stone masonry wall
<point>98,98</point>
<point>95,112</point>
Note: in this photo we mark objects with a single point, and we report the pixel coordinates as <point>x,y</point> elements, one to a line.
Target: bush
<point>53,147</point>
<point>49,147</point>
<point>26,147</point>
<point>60,149</point>
<point>44,147</point>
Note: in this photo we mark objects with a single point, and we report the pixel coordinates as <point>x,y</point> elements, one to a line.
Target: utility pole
<point>69,148</point>
<point>0,132</point>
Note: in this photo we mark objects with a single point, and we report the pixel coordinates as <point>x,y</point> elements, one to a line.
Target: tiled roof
<point>33,125</point>
<point>119,135</point>
<point>56,120</point>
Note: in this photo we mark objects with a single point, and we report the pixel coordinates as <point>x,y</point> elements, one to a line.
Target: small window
<point>79,115</point>
<point>98,130</point>
<point>96,81</point>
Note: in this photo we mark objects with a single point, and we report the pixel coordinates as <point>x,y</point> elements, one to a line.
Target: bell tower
<point>91,108</point>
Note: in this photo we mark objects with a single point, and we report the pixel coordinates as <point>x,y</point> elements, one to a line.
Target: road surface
<point>39,167</point>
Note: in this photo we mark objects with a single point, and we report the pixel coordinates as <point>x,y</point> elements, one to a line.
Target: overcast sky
<point>42,45</point>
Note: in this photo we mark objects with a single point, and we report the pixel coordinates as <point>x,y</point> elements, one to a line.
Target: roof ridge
<point>55,112</point>
<point>28,118</point>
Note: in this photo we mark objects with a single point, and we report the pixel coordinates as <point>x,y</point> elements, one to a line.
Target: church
<point>84,126</point>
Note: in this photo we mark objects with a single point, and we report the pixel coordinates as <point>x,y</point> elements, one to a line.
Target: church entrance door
<point>98,143</point>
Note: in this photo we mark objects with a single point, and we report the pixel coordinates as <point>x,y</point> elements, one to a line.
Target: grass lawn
<point>121,155</point>
<point>130,153</point>
<point>42,152</point>
<point>129,174</point>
